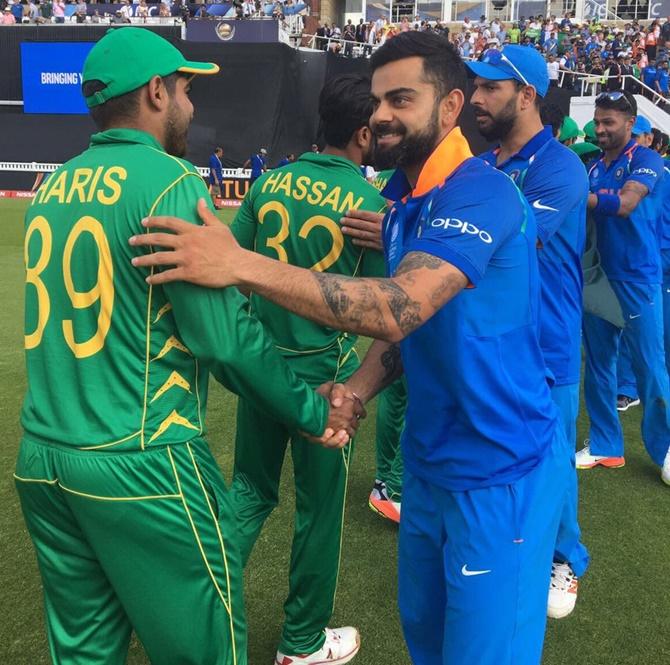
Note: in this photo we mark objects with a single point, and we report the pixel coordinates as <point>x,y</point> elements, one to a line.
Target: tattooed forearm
<point>414,260</point>
<point>406,312</point>
<point>391,362</point>
<point>354,308</point>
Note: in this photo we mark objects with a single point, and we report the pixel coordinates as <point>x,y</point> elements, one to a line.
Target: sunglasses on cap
<point>615,96</point>
<point>495,57</point>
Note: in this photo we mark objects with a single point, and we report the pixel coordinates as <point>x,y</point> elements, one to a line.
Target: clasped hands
<point>346,412</point>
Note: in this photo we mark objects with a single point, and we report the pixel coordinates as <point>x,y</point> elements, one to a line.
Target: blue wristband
<point>608,204</point>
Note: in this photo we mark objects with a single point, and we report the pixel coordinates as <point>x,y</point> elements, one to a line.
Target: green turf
<point>621,617</point>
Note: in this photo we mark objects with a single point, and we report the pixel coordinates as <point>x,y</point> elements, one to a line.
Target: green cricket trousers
<point>320,481</point>
<point>142,540</point>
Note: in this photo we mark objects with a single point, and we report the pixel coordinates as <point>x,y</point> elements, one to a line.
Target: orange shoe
<point>585,460</point>
<point>380,502</point>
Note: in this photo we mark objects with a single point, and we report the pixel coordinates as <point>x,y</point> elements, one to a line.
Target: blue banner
<point>51,75</point>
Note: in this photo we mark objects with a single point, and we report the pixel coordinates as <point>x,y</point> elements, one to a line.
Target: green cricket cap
<point>127,58</point>
<point>569,129</point>
<point>585,148</point>
<point>590,131</point>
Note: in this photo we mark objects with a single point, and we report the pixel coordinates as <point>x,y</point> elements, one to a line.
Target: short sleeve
<point>467,233</point>
<point>646,168</point>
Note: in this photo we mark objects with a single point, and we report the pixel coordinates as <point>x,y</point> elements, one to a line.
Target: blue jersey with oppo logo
<point>479,411</point>
<point>629,247</point>
<point>554,182</point>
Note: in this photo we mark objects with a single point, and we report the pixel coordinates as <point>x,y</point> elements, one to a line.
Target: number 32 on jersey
<point>102,291</point>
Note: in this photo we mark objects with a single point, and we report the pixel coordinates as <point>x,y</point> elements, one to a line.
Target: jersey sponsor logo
<point>471,573</point>
<point>540,206</point>
<point>465,228</point>
<point>645,171</point>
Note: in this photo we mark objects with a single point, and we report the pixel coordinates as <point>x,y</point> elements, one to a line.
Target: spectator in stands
<point>314,148</point>
<point>248,8</point>
<point>551,44</point>
<point>361,33</point>
<point>126,10</point>
<point>17,11</point>
<point>46,10</point>
<point>164,10</point>
<point>349,37</point>
<point>142,10</point>
<point>665,33</point>
<point>258,164</point>
<point>514,34</point>
<point>649,78</point>
<point>8,17</point>
<point>615,74</point>
<point>59,11</point>
<point>552,70</point>
<point>651,41</point>
<point>661,80</point>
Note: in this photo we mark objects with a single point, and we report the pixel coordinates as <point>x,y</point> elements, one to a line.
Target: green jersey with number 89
<point>112,362</point>
<point>293,214</point>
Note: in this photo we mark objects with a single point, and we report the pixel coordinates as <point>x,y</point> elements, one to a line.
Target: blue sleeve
<point>467,233</point>
<point>646,167</point>
<point>212,163</point>
<point>554,187</point>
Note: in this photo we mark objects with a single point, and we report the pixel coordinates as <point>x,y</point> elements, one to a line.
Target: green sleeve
<point>374,264</point>
<point>244,224</point>
<point>215,326</point>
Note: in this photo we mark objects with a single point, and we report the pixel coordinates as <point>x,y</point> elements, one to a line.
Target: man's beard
<point>501,125</point>
<point>176,132</point>
<point>413,149</point>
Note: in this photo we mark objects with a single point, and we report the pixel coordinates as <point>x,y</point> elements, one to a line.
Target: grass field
<point>623,612</point>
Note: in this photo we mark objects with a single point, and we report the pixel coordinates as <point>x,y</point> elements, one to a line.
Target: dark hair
<point>625,103</point>
<point>552,114</point>
<point>442,65</point>
<point>218,148</point>
<point>345,105</point>
<point>123,107</point>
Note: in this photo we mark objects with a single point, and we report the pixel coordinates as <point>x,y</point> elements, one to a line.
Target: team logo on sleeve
<point>466,228</point>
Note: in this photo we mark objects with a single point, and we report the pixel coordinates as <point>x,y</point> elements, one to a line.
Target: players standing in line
<point>509,87</point>
<point>486,462</point>
<point>215,175</point>
<point>127,509</point>
<point>625,202</point>
<point>293,215</point>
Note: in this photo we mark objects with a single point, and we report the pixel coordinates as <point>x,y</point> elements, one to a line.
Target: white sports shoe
<point>341,645</point>
<point>665,473</point>
<point>585,460</point>
<point>562,591</point>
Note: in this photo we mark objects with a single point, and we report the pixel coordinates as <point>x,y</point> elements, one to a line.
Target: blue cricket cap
<point>641,126</point>
<point>520,63</point>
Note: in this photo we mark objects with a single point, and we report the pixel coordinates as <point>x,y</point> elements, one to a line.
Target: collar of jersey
<point>125,136</point>
<point>527,151</point>
<point>628,150</point>
<point>330,160</point>
<point>452,151</point>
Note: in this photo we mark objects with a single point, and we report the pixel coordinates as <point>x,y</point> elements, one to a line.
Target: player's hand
<point>204,255</point>
<point>364,227</point>
<point>346,412</point>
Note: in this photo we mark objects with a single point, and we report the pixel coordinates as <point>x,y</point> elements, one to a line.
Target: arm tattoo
<point>415,260</point>
<point>391,361</point>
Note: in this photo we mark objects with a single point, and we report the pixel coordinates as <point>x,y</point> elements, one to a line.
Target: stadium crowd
<point>608,54</point>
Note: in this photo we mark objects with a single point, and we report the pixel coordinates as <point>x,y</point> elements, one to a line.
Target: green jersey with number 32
<point>293,214</point>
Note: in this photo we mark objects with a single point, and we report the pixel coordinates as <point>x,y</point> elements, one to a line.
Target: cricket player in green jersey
<point>293,214</point>
<point>128,511</point>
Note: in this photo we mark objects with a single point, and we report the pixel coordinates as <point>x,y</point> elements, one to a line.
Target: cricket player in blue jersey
<point>509,86</point>
<point>627,396</point>
<point>215,174</point>
<point>486,461</point>
<point>625,202</point>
